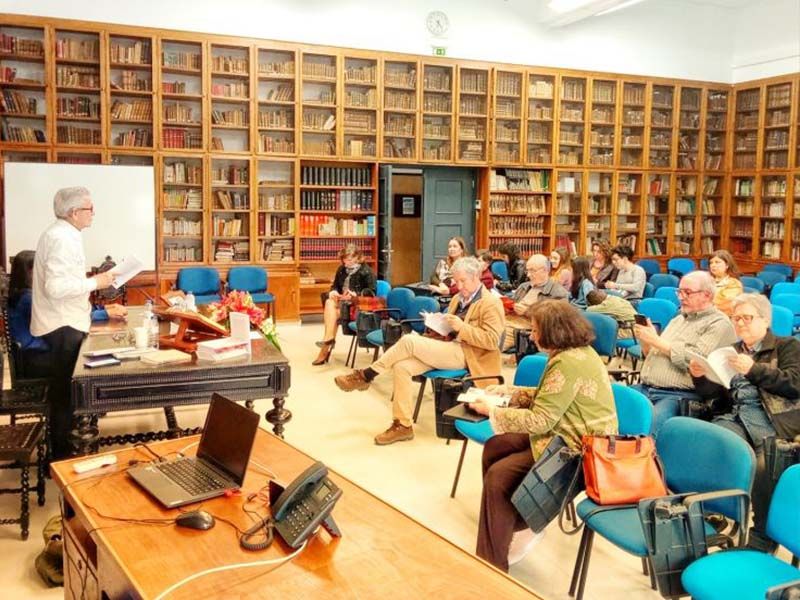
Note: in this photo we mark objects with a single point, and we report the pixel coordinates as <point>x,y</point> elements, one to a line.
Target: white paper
<point>474,394</point>
<point>437,322</point>
<point>240,327</point>
<point>129,268</point>
<point>716,365</point>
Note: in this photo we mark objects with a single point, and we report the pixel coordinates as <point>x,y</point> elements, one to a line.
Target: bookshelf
<point>773,200</point>
<point>657,214</point>
<point>276,91</point>
<point>182,96</point>
<point>689,128</point>
<point>628,210</point>
<point>181,213</point>
<point>794,253</point>
<point>603,123</point>
<point>275,216</point>
<point>520,205</point>
<point>23,78</point>
<point>400,106</point>
<point>360,114</point>
<point>319,99</point>
<point>473,115</point>
<point>684,222</point>
<point>569,210</point>
<point>716,126</point>
<point>229,220</point>
<point>79,113</point>
<point>741,211</point>
<point>572,121</point>
<point>777,126</point>
<point>632,124</point>
<point>130,91</point>
<point>599,188</point>
<point>541,117</point>
<point>437,113</point>
<point>662,117</point>
<point>230,93</point>
<point>711,213</point>
<point>507,122</point>
<point>745,129</point>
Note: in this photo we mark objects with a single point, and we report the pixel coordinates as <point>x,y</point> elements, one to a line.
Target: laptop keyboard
<point>193,476</point>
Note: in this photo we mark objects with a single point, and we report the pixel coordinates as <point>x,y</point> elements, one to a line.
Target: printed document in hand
<point>129,268</point>
<point>474,394</point>
<point>437,322</point>
<point>716,365</point>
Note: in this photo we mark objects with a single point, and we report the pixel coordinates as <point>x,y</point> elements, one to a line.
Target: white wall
<point>670,38</point>
<point>776,50</point>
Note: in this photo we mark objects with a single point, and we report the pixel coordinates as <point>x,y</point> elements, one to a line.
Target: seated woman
<point>630,277</point>
<point>574,399</point>
<point>487,277</point>
<point>441,279</point>
<point>767,379</point>
<point>517,275</point>
<point>35,351</point>
<point>726,276</point>
<point>582,282</point>
<point>602,268</point>
<point>561,267</point>
<point>352,278</point>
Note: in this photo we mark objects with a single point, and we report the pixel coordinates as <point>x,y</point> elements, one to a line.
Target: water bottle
<point>190,303</point>
<point>150,321</point>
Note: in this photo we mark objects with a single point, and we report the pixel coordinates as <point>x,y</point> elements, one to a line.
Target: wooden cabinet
<point>285,287</point>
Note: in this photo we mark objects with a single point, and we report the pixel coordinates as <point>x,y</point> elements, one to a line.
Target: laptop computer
<point>220,464</point>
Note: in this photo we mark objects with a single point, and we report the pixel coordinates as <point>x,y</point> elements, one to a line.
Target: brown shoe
<point>352,381</point>
<point>395,433</point>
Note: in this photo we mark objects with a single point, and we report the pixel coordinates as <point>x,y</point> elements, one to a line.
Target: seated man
<point>476,317</point>
<point>617,308</point>
<point>699,328</point>
<point>538,287</point>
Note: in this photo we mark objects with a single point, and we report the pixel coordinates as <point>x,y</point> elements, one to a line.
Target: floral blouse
<point>574,399</point>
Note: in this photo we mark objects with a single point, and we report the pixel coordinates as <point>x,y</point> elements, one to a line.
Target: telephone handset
<point>304,505</point>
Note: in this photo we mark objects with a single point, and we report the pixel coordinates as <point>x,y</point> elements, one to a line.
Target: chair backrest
<point>783,524</point>
<point>634,410</point>
<point>529,370</point>
<point>704,264</point>
<point>782,321</point>
<point>753,282</point>
<point>749,290</point>
<point>790,301</point>
<point>383,288</point>
<point>681,266</point>
<point>400,298</point>
<point>780,268</point>
<point>650,266</point>
<point>702,457</point>
<point>659,311</point>
<point>784,287</point>
<point>660,280</point>
<point>605,332</point>
<point>649,291</point>
<point>770,278</point>
<point>668,293</point>
<point>419,304</point>
<point>198,280</point>
<point>500,270</point>
<point>248,279</point>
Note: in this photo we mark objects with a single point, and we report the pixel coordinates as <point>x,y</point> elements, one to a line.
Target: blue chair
<point>411,317</point>
<point>203,282</point>
<point>785,287</point>
<point>634,410</point>
<point>668,293</point>
<point>383,288</point>
<point>528,374</point>
<point>770,278</point>
<point>650,266</point>
<point>782,321</point>
<point>253,280</point>
<point>704,264</point>
<point>605,333</point>
<point>500,270</point>
<point>753,282</point>
<point>749,290</point>
<point>797,279</point>
<point>780,268</point>
<point>397,303</point>
<point>748,574</point>
<point>649,291</point>
<point>790,302</point>
<point>660,280</point>
<point>660,312</point>
<point>698,457</point>
<point>681,266</point>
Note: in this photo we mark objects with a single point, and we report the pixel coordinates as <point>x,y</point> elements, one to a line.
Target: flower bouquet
<point>242,302</point>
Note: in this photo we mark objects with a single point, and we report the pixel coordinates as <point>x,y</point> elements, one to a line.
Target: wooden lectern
<point>192,328</point>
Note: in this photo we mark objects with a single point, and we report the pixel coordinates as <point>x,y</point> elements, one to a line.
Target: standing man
<point>61,311</point>
<point>476,317</point>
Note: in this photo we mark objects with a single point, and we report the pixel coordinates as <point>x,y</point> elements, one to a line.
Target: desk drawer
<point>80,576</point>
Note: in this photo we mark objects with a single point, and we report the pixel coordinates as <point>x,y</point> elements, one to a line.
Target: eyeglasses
<point>534,270</point>
<point>688,293</point>
<point>746,319</point>
<point>90,209</point>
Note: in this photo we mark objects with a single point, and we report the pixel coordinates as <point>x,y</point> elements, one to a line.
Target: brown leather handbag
<point>621,469</point>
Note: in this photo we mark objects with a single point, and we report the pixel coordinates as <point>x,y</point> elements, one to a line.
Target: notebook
<point>165,357</point>
<point>220,464</point>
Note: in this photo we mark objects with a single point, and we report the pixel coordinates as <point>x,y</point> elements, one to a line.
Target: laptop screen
<point>228,437</point>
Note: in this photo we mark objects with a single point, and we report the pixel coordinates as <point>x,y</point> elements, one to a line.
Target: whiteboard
<point>124,201</point>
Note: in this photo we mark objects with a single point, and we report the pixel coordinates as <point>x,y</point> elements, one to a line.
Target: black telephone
<point>304,505</point>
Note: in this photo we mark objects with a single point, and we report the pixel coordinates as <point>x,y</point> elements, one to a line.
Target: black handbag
<point>445,397</point>
<point>392,332</point>
<point>553,481</point>
<point>523,345</point>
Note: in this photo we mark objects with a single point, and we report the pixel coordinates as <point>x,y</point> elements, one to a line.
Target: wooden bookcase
<point>473,115</point>
<point>628,208</point>
<point>569,228</point>
<point>520,206</point>
<point>541,118</point>
<point>401,94</point>
<point>603,119</point>
<point>658,213</point>
<point>438,122</point>
<point>507,121</point>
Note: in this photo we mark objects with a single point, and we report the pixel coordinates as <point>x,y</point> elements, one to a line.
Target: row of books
<point>228,227</point>
<point>276,250</point>
<point>181,226</point>
<point>179,113</point>
<point>341,200</point>
<point>342,176</point>
<point>14,133</point>
<point>9,75</point>
<point>181,60</point>
<point>72,76</point>
<point>276,143</point>
<point>272,200</point>
<point>519,180</point>
<point>230,175</point>
<point>137,53</point>
<point>69,134</point>
<point>132,81</point>
<point>527,225</point>
<point>12,44</point>
<point>527,246</point>
<point>17,102</point>
<point>229,200</point>
<point>230,64</point>
<point>229,117</point>
<point>285,67</point>
<point>183,199</point>
<point>181,138</point>
<point>269,225</point>
<point>182,253</point>
<point>77,49</point>
<point>325,225</point>
<point>512,203</point>
<point>141,138</point>
<point>322,249</point>
<point>231,251</point>
<point>654,247</point>
<point>139,110</point>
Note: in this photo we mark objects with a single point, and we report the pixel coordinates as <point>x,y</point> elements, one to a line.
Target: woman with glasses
<point>723,269</point>
<point>764,396</point>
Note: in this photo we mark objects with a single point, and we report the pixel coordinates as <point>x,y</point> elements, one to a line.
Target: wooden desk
<point>383,553</point>
<point>135,385</point>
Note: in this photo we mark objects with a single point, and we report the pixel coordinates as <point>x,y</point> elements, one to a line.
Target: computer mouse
<point>195,519</point>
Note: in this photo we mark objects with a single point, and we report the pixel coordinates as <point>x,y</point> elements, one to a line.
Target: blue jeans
<point>665,403</point>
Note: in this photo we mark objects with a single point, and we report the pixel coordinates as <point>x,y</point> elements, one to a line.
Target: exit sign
<point>439,50</point>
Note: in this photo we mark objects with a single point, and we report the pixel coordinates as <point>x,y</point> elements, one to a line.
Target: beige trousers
<point>413,355</point>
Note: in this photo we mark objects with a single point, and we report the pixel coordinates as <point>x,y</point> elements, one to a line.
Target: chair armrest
<point>744,505</point>
<point>784,591</point>
<point>500,379</point>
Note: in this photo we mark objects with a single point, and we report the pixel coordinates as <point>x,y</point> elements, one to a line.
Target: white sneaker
<point>522,542</point>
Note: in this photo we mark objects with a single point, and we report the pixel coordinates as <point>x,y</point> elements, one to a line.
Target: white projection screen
<point>123,196</point>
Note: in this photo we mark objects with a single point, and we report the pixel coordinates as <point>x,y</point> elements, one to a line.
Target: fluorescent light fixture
<point>562,6</point>
<point>618,7</point>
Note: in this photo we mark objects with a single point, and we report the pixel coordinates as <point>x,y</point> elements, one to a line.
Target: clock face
<point>437,22</point>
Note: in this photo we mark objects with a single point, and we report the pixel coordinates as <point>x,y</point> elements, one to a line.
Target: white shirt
<point>60,286</point>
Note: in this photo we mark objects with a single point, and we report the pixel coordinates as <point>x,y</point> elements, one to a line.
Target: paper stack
<point>226,348</point>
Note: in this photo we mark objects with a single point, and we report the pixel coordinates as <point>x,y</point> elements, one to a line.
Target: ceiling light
<point>562,6</point>
<point>618,7</point>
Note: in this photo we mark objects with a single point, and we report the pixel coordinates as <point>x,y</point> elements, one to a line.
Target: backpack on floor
<point>50,562</point>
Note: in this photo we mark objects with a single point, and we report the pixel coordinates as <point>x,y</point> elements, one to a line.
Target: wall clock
<point>437,22</point>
